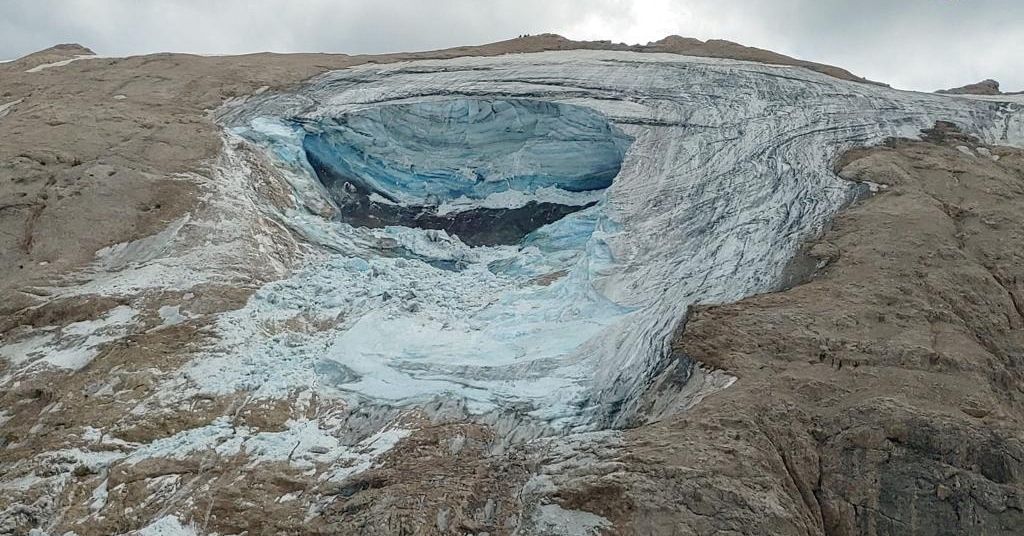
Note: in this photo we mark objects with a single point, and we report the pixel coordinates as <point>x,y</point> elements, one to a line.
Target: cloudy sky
<point>912,44</point>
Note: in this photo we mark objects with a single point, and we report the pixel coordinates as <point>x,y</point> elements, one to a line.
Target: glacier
<point>488,170</point>
<point>650,182</point>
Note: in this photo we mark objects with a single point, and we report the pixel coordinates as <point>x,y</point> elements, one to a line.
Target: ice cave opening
<point>489,171</point>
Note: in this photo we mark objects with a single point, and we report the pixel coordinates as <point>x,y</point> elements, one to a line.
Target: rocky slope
<point>985,87</point>
<point>196,340</point>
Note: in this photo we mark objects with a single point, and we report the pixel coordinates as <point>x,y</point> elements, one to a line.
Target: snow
<point>170,315</point>
<point>167,526</point>
<point>73,346</point>
<point>553,519</point>
<point>95,460</point>
<point>219,437</point>
<point>304,443</point>
<point>92,435</point>
<point>99,497</point>
<point>7,107</point>
<point>229,243</point>
<point>516,199</point>
<point>61,63</point>
<point>21,483</point>
<point>125,254</point>
<point>367,451</point>
<point>87,336</point>
<point>27,349</point>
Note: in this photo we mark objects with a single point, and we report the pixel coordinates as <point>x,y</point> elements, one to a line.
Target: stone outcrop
<point>985,87</point>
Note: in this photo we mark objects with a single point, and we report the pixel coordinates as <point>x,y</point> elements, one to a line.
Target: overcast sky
<point>912,44</point>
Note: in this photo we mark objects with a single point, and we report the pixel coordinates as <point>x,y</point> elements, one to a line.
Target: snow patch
<point>125,254</point>
<point>509,199</point>
<point>73,346</point>
<point>366,452</point>
<point>61,63</point>
<point>170,315</point>
<point>167,526</point>
<point>304,444</point>
<point>99,497</point>
<point>6,108</point>
<point>551,519</point>
<point>22,483</point>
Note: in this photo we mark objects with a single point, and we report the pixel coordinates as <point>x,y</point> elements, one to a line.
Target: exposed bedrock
<point>432,164</point>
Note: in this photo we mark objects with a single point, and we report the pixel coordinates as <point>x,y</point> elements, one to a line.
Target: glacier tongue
<point>729,168</point>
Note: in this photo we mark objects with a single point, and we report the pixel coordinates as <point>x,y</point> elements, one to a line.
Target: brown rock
<point>985,87</point>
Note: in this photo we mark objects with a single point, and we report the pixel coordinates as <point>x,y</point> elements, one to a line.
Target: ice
<point>436,151</point>
<point>728,169</point>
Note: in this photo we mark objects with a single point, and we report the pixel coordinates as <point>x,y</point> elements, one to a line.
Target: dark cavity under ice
<point>489,171</point>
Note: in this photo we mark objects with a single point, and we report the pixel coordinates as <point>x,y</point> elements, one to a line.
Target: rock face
<point>985,87</point>
<point>55,54</point>
<point>720,48</point>
<point>239,352</point>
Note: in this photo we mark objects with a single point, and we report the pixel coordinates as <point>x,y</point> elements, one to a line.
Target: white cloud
<point>919,44</point>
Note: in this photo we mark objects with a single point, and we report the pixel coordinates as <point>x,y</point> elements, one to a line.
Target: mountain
<point>985,87</point>
<point>532,287</point>
<point>54,54</point>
